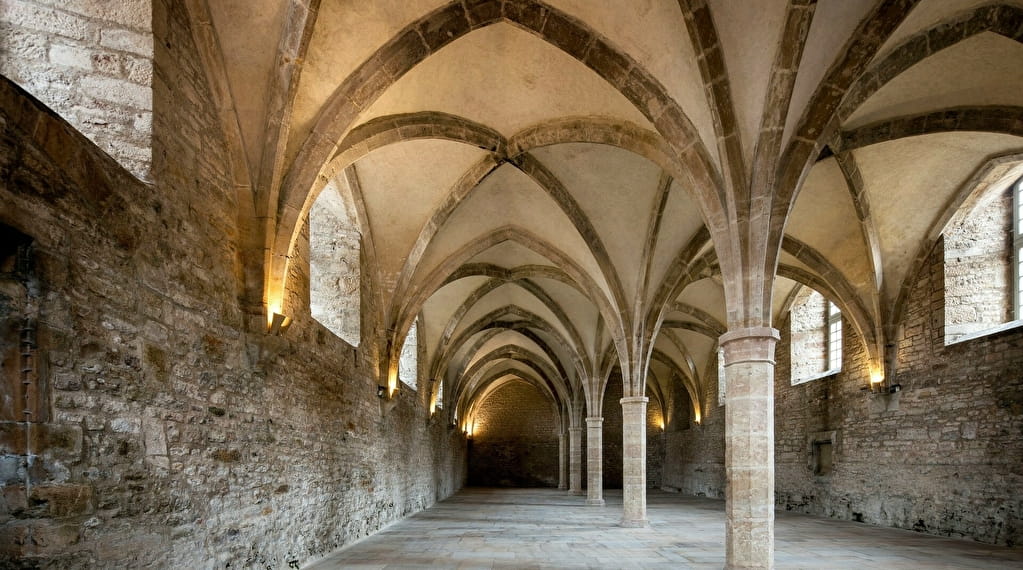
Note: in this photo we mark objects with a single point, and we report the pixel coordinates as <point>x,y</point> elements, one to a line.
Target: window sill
<point>824,374</point>
<point>1011,325</point>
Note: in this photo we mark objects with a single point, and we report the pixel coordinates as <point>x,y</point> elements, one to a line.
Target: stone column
<point>634,461</point>
<point>575,460</point>
<point>562,460</point>
<point>595,461</point>
<point>749,446</point>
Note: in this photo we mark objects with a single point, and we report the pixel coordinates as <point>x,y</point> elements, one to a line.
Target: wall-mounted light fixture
<point>381,391</point>
<point>278,324</point>
<point>895,388</point>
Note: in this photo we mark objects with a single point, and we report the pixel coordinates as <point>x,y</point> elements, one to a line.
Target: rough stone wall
<point>978,271</point>
<point>694,462</point>
<point>92,62</point>
<point>655,444</point>
<point>612,437</point>
<point>612,412</point>
<point>515,439</point>
<point>177,439</point>
<point>942,456</point>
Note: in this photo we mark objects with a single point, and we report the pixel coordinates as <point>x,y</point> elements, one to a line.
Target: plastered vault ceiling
<point>524,178</point>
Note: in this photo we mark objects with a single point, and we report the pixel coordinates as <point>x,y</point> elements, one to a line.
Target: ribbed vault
<point>556,190</point>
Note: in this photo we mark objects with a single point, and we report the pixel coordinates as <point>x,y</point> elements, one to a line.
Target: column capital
<point>752,344</point>
<point>594,421</point>
<point>634,400</point>
<point>575,429</point>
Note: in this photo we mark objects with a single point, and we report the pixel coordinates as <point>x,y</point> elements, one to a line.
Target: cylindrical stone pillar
<point>595,461</point>
<point>749,446</point>
<point>562,460</point>
<point>575,460</point>
<point>634,461</point>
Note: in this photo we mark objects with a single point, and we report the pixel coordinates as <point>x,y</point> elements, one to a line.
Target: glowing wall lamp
<point>278,324</point>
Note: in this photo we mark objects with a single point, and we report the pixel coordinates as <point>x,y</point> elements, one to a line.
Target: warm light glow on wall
<point>433,406</point>
<point>876,377</point>
<point>273,306</point>
<point>696,416</point>
<point>392,382</point>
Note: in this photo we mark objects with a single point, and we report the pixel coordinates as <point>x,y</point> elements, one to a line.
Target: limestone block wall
<point>172,437</point>
<point>694,454</point>
<point>612,436</point>
<point>655,445</point>
<point>92,62</point>
<point>942,456</point>
<point>515,439</point>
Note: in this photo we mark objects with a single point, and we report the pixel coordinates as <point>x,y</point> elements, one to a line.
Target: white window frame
<point>1017,245</point>
<point>833,336</point>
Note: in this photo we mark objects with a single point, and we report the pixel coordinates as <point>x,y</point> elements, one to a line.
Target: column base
<point>595,502</point>
<point>578,492</point>
<point>562,487</point>
<point>642,523</point>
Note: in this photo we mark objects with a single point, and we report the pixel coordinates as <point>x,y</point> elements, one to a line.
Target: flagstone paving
<point>548,528</point>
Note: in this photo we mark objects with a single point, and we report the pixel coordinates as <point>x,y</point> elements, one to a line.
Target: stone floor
<point>547,528</point>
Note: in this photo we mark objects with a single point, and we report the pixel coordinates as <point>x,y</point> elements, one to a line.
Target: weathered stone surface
<point>91,63</point>
<point>178,438</point>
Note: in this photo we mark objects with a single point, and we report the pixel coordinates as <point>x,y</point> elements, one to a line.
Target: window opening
<point>982,248</point>
<point>834,337</point>
<point>334,266</point>
<point>408,362</point>
<point>1017,249</point>
<point>815,327</point>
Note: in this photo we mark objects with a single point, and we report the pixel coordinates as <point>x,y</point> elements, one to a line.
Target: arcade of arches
<point>276,273</point>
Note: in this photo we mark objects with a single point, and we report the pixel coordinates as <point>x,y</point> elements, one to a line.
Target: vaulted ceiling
<point>523,172</point>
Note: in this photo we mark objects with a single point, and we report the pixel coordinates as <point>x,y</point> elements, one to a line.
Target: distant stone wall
<point>172,436</point>
<point>92,62</point>
<point>655,445</point>
<point>612,428</point>
<point>694,455</point>
<point>515,439</point>
<point>942,456</point>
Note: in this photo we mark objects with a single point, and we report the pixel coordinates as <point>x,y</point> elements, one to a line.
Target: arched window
<point>815,326</point>
<point>408,362</point>
<point>334,275</point>
<point>982,260</point>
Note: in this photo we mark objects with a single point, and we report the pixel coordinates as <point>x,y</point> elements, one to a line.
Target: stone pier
<point>595,461</point>
<point>575,460</point>
<point>749,446</point>
<point>634,461</point>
